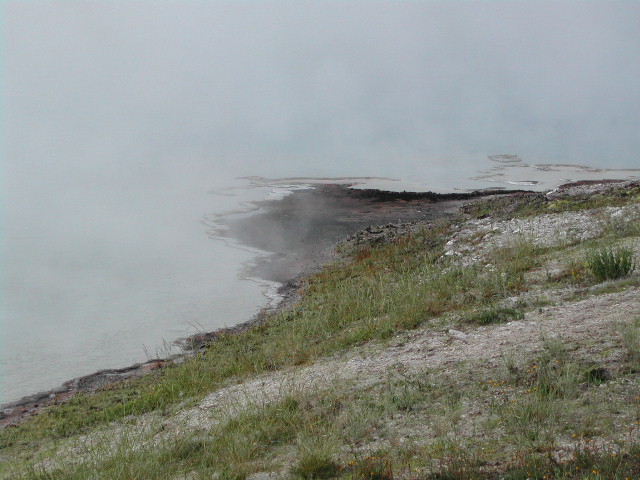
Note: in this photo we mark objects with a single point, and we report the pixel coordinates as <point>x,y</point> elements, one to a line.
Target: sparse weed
<point>456,462</point>
<point>510,361</point>
<point>631,339</point>
<point>406,395</point>
<point>538,393</point>
<point>623,227</point>
<point>588,462</point>
<point>522,205</point>
<point>376,467</point>
<point>612,198</point>
<point>40,473</point>
<point>574,271</point>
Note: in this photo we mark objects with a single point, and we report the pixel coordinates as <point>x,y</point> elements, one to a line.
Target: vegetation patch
<point>616,197</point>
<point>528,204</point>
<point>588,462</point>
<point>371,468</point>
<point>495,315</point>
<point>314,465</point>
<point>610,263</point>
<point>519,205</point>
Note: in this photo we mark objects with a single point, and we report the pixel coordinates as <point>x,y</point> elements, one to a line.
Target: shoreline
<point>344,213</point>
<point>423,332</point>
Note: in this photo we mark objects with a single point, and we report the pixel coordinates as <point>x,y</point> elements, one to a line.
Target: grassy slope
<point>345,431</point>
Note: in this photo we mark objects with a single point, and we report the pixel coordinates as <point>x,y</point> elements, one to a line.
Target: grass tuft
<point>609,263</point>
<point>495,315</point>
<point>315,465</point>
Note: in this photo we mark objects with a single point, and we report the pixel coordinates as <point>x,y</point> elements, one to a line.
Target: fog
<point>119,117</point>
<point>132,89</point>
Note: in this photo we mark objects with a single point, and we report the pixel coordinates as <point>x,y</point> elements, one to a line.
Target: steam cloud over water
<point>119,117</point>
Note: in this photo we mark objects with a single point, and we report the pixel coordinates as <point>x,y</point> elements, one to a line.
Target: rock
<point>154,365</point>
<point>458,335</point>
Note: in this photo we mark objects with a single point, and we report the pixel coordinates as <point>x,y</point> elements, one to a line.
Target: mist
<point>130,88</point>
<point>120,117</point>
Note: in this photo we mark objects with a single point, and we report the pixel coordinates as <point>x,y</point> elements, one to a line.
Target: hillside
<point>499,341</point>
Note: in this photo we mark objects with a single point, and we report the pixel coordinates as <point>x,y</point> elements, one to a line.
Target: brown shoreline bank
<point>302,231</point>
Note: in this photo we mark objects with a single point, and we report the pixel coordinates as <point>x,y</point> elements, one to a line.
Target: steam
<point>119,117</point>
<point>128,89</point>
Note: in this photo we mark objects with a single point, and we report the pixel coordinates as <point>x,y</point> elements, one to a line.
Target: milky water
<point>125,127</point>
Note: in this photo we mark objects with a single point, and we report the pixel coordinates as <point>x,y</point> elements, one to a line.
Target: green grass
<point>495,315</point>
<point>315,463</point>
<point>610,263</point>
